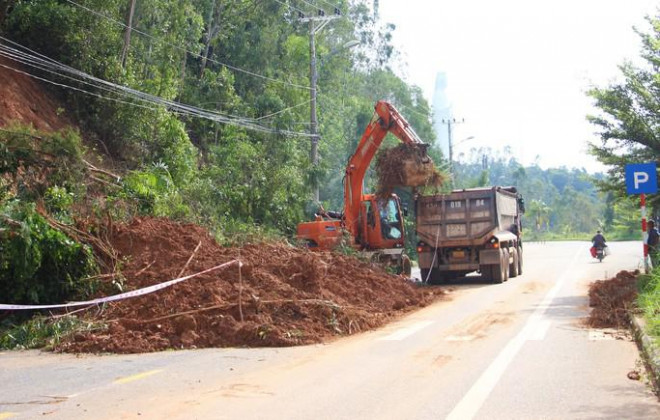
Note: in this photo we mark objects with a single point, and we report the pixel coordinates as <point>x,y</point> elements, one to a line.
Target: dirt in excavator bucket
<point>406,165</point>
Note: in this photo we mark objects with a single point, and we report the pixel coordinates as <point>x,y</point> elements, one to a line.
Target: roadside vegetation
<point>243,171</point>
<point>648,301</point>
<point>628,121</point>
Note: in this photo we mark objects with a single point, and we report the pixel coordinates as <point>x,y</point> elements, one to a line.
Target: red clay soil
<point>612,300</point>
<point>24,100</point>
<point>288,296</point>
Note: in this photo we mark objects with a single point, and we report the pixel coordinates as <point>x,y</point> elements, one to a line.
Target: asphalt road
<point>519,350</point>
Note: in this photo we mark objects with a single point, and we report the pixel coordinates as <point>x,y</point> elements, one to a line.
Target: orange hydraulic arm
<point>386,119</point>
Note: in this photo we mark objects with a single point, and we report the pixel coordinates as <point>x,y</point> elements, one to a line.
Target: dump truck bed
<point>465,217</point>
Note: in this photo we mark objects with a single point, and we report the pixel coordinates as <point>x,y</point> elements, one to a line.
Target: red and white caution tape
<point>131,294</point>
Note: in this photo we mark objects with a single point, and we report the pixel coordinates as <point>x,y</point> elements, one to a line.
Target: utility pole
<point>450,122</point>
<point>316,24</point>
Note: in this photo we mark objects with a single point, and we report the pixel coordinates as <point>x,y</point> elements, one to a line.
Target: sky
<point>518,70</point>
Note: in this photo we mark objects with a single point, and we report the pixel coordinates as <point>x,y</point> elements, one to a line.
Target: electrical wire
<point>285,109</point>
<point>194,54</point>
<point>146,100</point>
<point>315,6</point>
<point>290,7</point>
<point>336,6</point>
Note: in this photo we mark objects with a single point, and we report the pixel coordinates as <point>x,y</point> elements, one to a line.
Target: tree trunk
<point>207,45</point>
<point>127,34</point>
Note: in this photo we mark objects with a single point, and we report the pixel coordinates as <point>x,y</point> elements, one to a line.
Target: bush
<point>39,264</point>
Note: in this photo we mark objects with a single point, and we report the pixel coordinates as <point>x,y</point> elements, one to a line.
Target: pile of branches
<point>612,300</point>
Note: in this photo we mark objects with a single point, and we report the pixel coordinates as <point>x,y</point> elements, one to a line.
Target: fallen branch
<point>189,259</point>
<point>146,268</point>
<point>101,171</point>
<point>231,305</point>
<point>104,182</point>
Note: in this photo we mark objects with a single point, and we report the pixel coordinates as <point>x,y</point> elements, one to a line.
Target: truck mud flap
<point>489,256</point>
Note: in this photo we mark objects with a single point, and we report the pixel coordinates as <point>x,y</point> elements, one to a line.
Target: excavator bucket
<point>406,165</point>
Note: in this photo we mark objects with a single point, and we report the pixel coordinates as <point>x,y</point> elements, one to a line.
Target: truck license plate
<point>458,254</point>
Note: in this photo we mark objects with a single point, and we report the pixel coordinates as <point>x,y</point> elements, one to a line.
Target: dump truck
<point>470,230</point>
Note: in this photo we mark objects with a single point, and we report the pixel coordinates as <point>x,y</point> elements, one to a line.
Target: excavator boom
<point>386,119</point>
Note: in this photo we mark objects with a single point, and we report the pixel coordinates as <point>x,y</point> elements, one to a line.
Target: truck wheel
<point>486,272</point>
<point>496,274</point>
<point>513,267</point>
<point>500,272</point>
<point>434,278</point>
<point>520,260</point>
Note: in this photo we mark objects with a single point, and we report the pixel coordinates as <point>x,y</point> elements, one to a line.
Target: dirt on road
<point>282,295</point>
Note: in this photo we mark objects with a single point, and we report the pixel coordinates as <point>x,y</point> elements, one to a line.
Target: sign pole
<point>645,236</point>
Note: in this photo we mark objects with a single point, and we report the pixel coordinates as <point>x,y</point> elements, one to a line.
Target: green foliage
<point>32,162</point>
<point>648,301</point>
<point>560,202</point>
<point>41,331</point>
<point>201,170</point>
<point>629,115</point>
<point>39,264</point>
<point>151,191</point>
<point>59,202</point>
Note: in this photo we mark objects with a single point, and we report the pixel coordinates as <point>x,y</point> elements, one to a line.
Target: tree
<point>629,118</point>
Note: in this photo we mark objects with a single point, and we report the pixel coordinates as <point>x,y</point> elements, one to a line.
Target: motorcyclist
<point>599,243</point>
<point>599,240</point>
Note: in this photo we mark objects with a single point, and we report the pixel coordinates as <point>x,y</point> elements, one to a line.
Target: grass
<point>648,301</point>
<point>41,331</point>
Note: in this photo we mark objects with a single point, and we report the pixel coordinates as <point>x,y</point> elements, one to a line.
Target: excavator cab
<point>381,223</point>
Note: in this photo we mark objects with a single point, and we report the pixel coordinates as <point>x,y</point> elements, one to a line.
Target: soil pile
<point>612,300</point>
<point>282,296</point>
<point>406,165</point>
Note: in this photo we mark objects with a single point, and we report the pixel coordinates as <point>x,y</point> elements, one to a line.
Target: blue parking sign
<point>641,178</point>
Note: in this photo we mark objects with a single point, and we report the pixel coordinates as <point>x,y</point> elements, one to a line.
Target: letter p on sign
<point>641,178</point>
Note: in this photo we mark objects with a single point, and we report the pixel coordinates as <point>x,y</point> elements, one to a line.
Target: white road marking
<point>468,407</point>
<point>541,330</point>
<point>407,331</point>
<point>460,337</point>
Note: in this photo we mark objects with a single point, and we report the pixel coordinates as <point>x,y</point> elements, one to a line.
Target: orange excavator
<point>371,224</point>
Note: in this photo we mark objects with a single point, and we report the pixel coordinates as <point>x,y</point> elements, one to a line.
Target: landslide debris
<point>282,296</point>
<point>612,300</point>
<point>23,100</point>
<point>406,165</point>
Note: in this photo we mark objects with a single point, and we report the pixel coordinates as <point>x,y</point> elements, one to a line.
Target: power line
<point>62,70</point>
<point>290,6</point>
<point>335,6</point>
<point>281,111</point>
<point>194,54</point>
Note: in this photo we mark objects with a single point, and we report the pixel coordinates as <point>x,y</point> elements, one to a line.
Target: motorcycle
<point>599,252</point>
